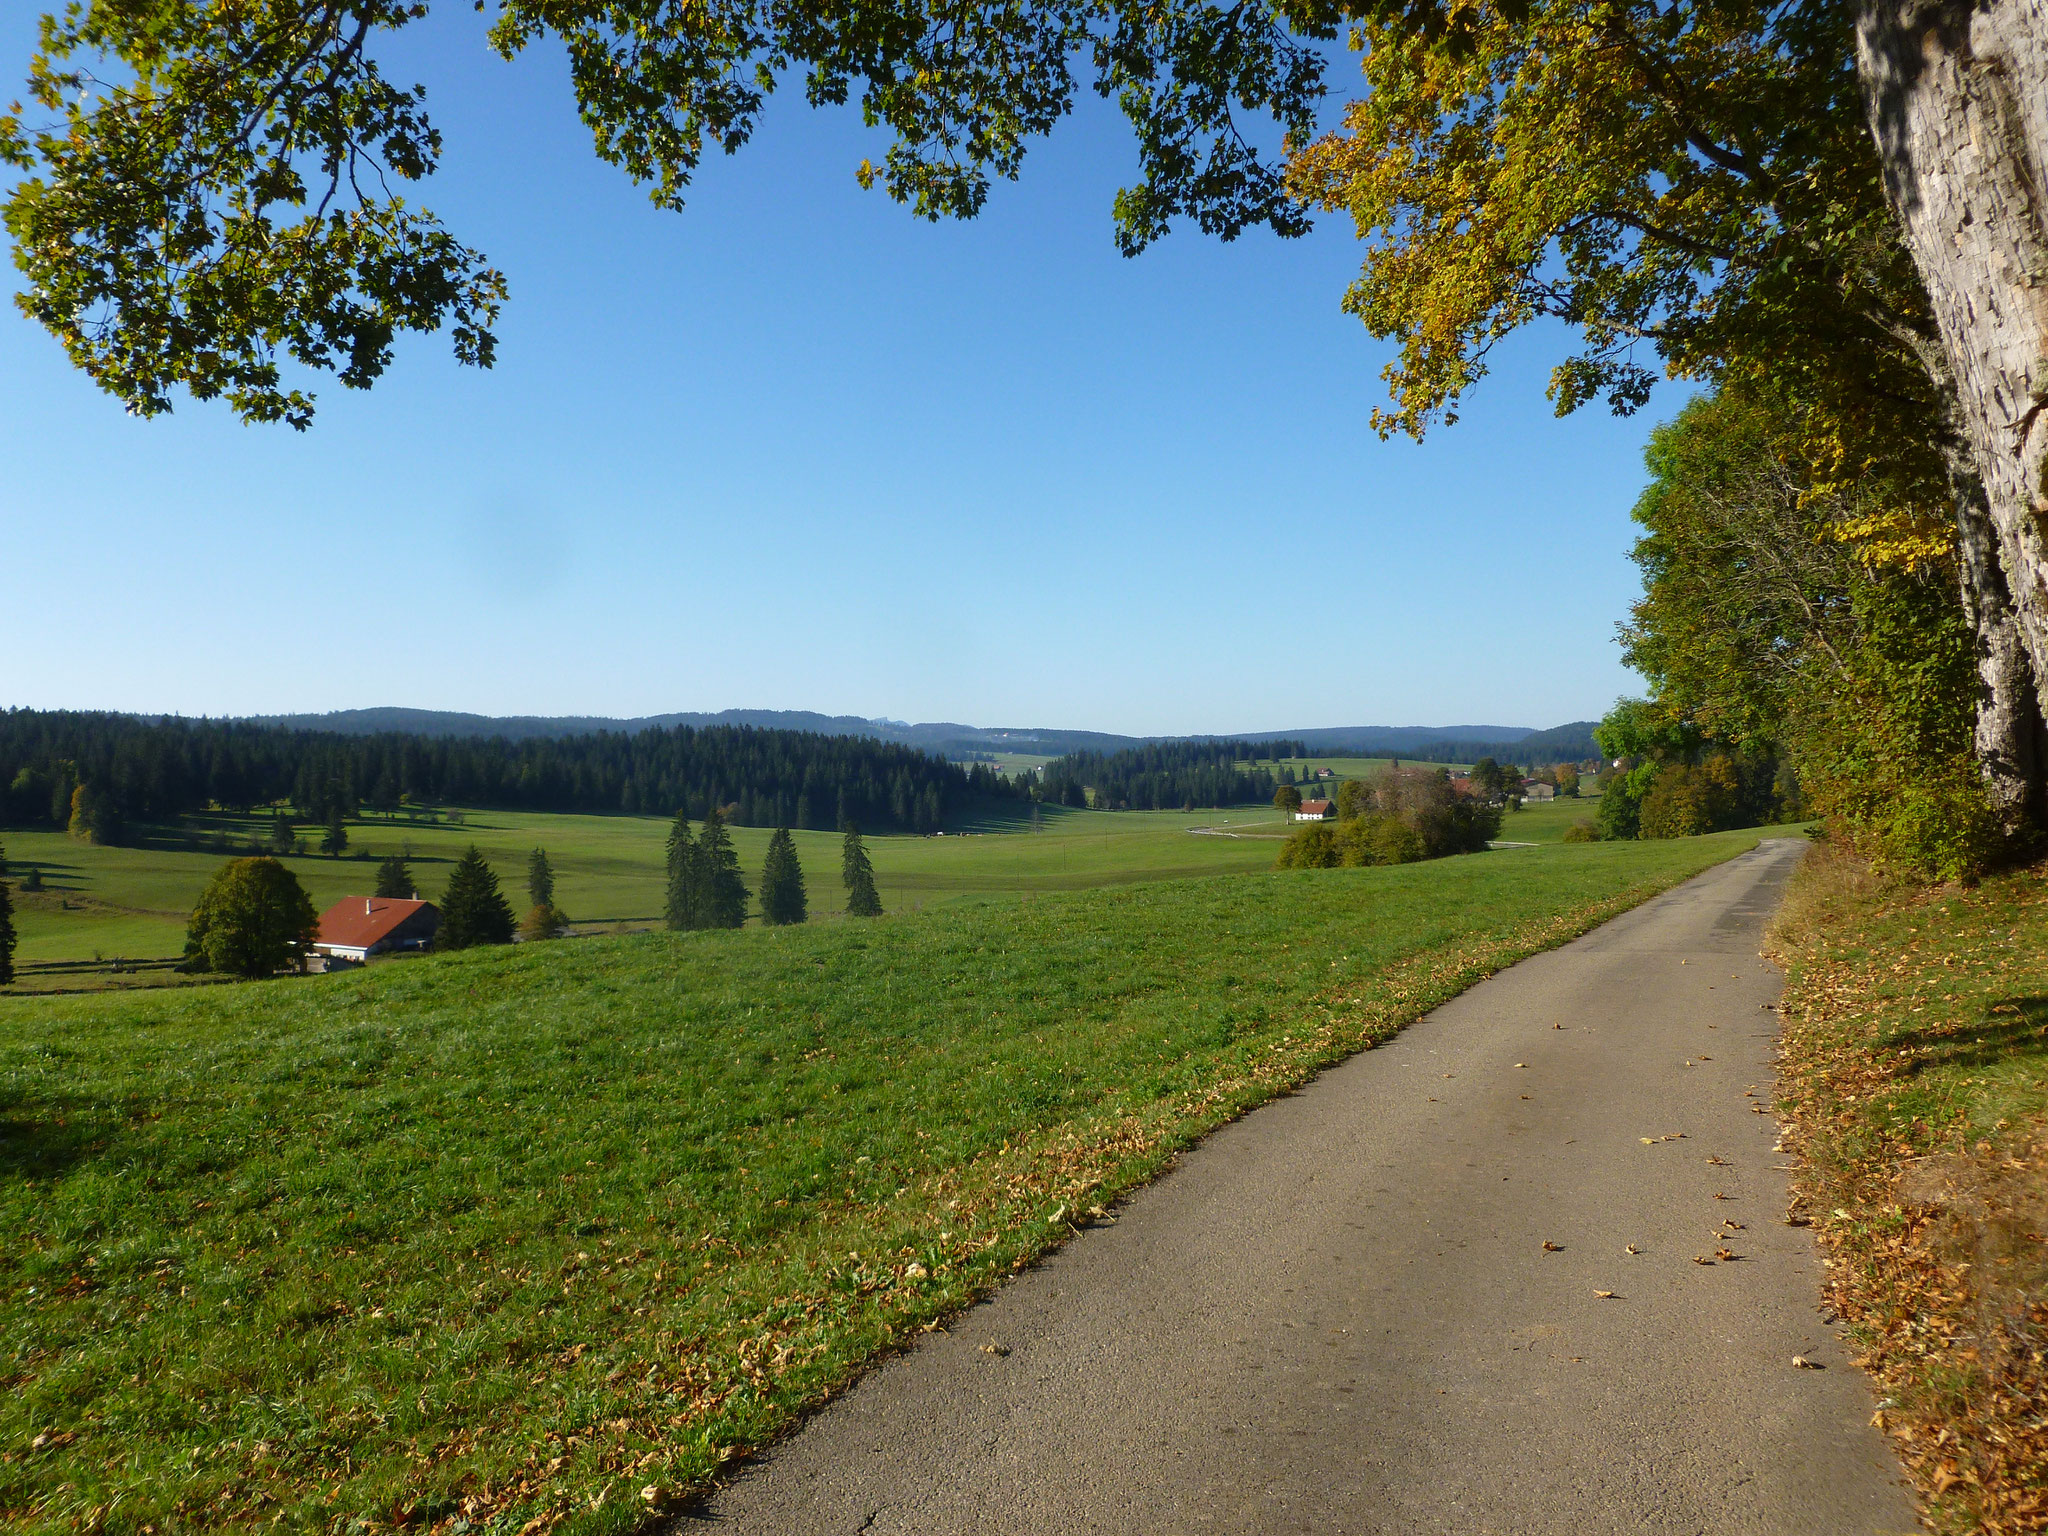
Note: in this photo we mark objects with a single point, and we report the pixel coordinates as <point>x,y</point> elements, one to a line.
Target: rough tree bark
<point>2011,747</point>
<point>1957,94</point>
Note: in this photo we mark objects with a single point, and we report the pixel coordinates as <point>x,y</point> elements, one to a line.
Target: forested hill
<point>1560,744</point>
<point>945,737</point>
<point>1169,776</point>
<point>153,770</point>
<point>1430,743</point>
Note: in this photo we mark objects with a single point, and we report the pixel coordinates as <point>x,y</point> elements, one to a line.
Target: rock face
<point>1957,94</point>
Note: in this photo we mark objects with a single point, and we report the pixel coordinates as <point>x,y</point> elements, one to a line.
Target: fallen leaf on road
<point>1805,1364</point>
<point>1733,1226</point>
<point>1550,1247</point>
<point>1719,1196</point>
<point>995,1349</point>
<point>1631,1249</point>
<point>1521,1064</point>
<point>1701,1258</point>
<point>1726,1255</point>
<point>1718,1162</point>
<point>1608,1296</point>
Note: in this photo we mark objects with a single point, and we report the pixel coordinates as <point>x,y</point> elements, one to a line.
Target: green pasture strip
<point>527,1238</point>
<point>134,901</point>
<point>1546,821</point>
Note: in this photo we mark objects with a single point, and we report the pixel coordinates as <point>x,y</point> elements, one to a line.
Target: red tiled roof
<point>1315,807</point>
<point>357,922</point>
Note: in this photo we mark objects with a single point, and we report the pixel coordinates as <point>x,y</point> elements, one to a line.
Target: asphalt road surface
<point>1342,1315</point>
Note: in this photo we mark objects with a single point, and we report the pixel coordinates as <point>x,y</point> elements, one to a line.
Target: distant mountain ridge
<point>1445,743</point>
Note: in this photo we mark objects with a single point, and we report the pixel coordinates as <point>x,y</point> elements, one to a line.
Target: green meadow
<point>537,1238</point>
<point>132,902</point>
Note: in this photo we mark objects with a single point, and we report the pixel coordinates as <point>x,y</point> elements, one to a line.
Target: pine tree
<point>394,880</point>
<point>723,896</point>
<point>540,878</point>
<point>782,882</point>
<point>282,838</point>
<point>859,875</point>
<point>684,888</point>
<point>335,838</point>
<point>474,911</point>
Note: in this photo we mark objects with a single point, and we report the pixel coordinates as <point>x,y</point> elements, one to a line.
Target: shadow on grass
<point>55,876</point>
<point>2011,1027</point>
<point>41,1146</point>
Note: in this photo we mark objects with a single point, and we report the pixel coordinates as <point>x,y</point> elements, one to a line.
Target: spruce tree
<point>782,882</point>
<point>543,920</point>
<point>684,908</point>
<point>394,880</point>
<point>474,911</point>
<point>335,838</point>
<point>859,875</point>
<point>723,896</point>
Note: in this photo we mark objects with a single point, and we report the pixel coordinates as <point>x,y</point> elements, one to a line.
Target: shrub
<point>1395,817</point>
<point>253,919</point>
<point>1582,831</point>
<point>545,921</point>
<point>1313,846</point>
<point>1686,800</point>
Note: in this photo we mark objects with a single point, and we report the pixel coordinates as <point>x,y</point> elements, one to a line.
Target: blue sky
<point>796,449</point>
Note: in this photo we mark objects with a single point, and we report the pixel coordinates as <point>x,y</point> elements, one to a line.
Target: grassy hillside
<point>531,1238</point>
<point>1916,1085</point>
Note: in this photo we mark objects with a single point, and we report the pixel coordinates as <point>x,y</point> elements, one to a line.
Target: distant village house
<point>1538,789</point>
<point>1316,810</point>
<point>357,927</point>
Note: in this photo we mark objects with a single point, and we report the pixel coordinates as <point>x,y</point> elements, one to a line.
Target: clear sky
<point>795,449</point>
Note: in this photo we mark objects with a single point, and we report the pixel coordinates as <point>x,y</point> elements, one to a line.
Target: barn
<point>357,927</point>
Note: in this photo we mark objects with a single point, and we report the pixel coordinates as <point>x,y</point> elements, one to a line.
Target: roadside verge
<point>1915,1079</point>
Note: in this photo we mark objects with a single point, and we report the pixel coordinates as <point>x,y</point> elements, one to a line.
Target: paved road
<point>1338,1315</point>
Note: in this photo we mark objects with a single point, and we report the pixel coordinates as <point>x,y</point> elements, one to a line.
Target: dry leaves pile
<point>1915,1072</point>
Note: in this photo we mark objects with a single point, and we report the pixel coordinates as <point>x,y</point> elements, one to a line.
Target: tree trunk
<point>2011,748</point>
<point>1958,100</point>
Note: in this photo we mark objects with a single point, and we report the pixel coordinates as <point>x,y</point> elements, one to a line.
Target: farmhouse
<point>357,927</point>
<point>1315,810</point>
<point>1537,789</point>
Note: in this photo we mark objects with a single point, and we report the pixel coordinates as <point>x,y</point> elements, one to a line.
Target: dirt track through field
<point>1343,1314</point>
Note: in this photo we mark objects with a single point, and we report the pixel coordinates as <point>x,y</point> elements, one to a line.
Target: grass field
<point>133,902</point>
<point>535,1238</point>
<point>1915,1080</point>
